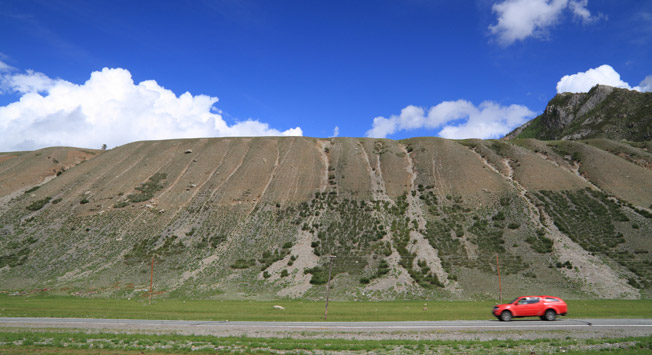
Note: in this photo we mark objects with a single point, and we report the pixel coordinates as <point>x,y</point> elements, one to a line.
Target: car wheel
<point>506,316</point>
<point>550,315</point>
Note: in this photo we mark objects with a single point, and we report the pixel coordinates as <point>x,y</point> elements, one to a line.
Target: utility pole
<point>500,288</point>
<point>151,280</point>
<point>328,284</point>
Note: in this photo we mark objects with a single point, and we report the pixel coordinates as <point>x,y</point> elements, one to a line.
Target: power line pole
<point>500,288</point>
<point>151,280</point>
<point>328,283</point>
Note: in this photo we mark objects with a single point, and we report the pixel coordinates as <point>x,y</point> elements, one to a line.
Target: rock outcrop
<point>603,112</point>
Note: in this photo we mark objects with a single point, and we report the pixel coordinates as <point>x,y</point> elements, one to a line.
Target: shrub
<point>567,265</point>
<point>243,264</point>
<point>16,259</point>
<point>37,205</point>
<point>319,277</point>
<point>643,213</point>
<point>383,268</point>
<point>284,273</point>
<point>148,188</point>
<point>632,282</point>
<point>541,244</point>
<point>32,189</point>
<point>513,225</point>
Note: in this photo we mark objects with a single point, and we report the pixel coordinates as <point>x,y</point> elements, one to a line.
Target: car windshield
<point>514,300</point>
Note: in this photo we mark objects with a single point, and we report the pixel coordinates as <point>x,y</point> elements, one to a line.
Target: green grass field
<point>79,307</point>
<point>106,343</point>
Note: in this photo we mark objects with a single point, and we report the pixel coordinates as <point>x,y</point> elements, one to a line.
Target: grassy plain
<point>106,343</point>
<point>295,310</point>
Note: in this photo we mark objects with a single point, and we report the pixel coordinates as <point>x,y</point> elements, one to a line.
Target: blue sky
<point>84,73</point>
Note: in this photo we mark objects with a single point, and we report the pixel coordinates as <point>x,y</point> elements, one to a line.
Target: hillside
<point>604,112</point>
<point>258,217</point>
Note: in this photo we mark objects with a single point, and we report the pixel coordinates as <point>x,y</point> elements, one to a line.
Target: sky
<point>87,73</point>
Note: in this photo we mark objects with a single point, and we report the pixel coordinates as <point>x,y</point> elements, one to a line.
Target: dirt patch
<point>300,282</point>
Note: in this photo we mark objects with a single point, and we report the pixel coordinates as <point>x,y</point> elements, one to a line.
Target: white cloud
<point>520,19</point>
<point>30,82</point>
<point>579,10</point>
<point>456,119</point>
<point>645,85</point>
<point>336,132</point>
<point>109,109</point>
<point>603,75</point>
<point>4,66</point>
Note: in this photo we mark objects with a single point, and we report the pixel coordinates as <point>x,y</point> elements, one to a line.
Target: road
<point>481,329</point>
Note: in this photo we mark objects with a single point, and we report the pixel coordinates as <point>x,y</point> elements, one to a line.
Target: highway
<point>424,329</point>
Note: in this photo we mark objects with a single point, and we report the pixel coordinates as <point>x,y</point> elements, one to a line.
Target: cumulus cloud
<point>603,75</point>
<point>520,19</point>
<point>109,108</point>
<point>455,119</point>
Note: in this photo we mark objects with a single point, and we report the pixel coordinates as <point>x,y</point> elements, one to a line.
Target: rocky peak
<point>603,112</point>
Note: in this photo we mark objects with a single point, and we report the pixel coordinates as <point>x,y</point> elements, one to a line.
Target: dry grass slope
<point>258,217</point>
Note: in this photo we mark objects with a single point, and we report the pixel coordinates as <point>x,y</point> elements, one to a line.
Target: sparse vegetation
<point>121,204</point>
<point>243,263</point>
<point>37,205</point>
<point>586,217</point>
<point>147,189</point>
<point>540,243</point>
<point>32,189</point>
<point>15,259</point>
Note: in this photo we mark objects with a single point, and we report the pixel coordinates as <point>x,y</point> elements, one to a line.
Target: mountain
<point>259,218</point>
<point>603,112</point>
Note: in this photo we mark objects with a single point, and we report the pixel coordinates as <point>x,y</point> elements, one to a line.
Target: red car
<point>544,307</point>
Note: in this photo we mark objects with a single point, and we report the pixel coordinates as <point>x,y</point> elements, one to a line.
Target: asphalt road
<point>640,325</point>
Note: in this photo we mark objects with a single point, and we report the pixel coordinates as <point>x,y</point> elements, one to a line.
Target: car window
<point>550,299</point>
<point>529,300</point>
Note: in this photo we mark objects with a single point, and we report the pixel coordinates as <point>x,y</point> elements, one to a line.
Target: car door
<point>527,307</point>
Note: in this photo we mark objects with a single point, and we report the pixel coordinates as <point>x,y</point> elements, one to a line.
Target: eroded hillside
<point>258,217</point>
